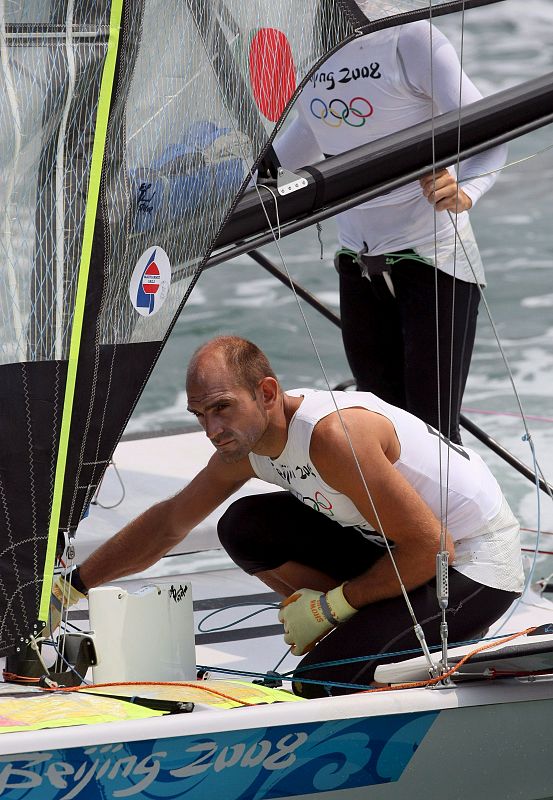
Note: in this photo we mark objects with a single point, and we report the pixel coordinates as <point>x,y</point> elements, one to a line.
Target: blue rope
<point>265,607</point>
<point>292,674</point>
<point>390,654</point>
<point>270,676</point>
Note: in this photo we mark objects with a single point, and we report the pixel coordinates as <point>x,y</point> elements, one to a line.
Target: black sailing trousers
<point>262,532</point>
<point>391,342</point>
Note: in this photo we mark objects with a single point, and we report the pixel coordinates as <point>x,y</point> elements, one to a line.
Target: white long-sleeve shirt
<point>375,86</point>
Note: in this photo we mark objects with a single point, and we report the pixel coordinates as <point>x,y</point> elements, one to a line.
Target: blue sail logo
<point>150,281</point>
<point>149,285</point>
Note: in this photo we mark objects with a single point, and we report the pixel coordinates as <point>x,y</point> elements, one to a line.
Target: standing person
<point>320,543</point>
<point>398,310</point>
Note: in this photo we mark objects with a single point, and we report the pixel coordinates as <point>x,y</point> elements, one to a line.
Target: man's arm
<point>431,67</point>
<point>297,146</point>
<point>148,537</point>
<point>401,514</point>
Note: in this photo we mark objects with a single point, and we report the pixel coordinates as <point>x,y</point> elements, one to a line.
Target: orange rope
<point>11,677</point>
<point>440,678</point>
<point>151,683</point>
<point>411,685</point>
<point>534,530</point>
<point>496,673</point>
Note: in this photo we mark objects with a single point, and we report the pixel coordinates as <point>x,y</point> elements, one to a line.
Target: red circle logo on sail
<point>272,72</point>
<point>151,278</point>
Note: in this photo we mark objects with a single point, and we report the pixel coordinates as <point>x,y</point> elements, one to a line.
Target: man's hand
<point>63,596</point>
<point>307,616</point>
<point>443,192</point>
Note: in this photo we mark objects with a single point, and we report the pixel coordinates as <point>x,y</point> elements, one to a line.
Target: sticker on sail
<point>150,281</point>
<point>272,71</point>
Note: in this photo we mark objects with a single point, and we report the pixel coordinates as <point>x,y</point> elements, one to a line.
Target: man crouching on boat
<point>358,525</point>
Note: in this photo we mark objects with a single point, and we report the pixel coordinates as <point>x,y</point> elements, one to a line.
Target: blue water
<point>504,44</point>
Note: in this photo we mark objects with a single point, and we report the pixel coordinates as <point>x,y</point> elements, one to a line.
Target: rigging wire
<point>276,236</point>
<point>275,198</point>
<point>526,437</point>
<point>71,667</point>
<point>442,557</point>
<point>418,630</point>
<point>509,164</point>
<point>95,499</point>
<point>452,328</point>
<point>535,417</point>
<point>436,309</point>
<point>67,587</point>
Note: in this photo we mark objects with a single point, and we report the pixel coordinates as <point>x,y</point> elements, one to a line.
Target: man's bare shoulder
<point>355,418</point>
<point>332,434</point>
<point>345,444</point>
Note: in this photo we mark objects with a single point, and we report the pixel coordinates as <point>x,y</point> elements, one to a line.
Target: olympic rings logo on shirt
<point>338,111</point>
<point>319,503</point>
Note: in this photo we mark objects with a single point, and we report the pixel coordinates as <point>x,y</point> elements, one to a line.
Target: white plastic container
<point>145,636</point>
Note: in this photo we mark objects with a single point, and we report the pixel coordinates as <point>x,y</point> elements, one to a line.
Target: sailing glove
<point>307,616</point>
<point>64,595</point>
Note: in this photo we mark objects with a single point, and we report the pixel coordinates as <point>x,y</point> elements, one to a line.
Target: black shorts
<point>262,532</point>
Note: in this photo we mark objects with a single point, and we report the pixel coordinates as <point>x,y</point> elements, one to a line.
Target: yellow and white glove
<point>307,616</point>
<point>64,595</point>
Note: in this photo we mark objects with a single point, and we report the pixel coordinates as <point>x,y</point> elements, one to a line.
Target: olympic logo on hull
<point>355,113</point>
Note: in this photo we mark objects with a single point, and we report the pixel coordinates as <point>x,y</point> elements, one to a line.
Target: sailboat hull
<point>467,742</point>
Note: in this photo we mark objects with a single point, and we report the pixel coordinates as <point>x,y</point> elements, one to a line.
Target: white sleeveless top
<point>485,533</point>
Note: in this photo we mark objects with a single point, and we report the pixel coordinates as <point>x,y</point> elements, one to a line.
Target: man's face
<point>232,419</point>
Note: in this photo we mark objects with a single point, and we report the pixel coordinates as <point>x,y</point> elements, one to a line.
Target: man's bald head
<point>245,362</point>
